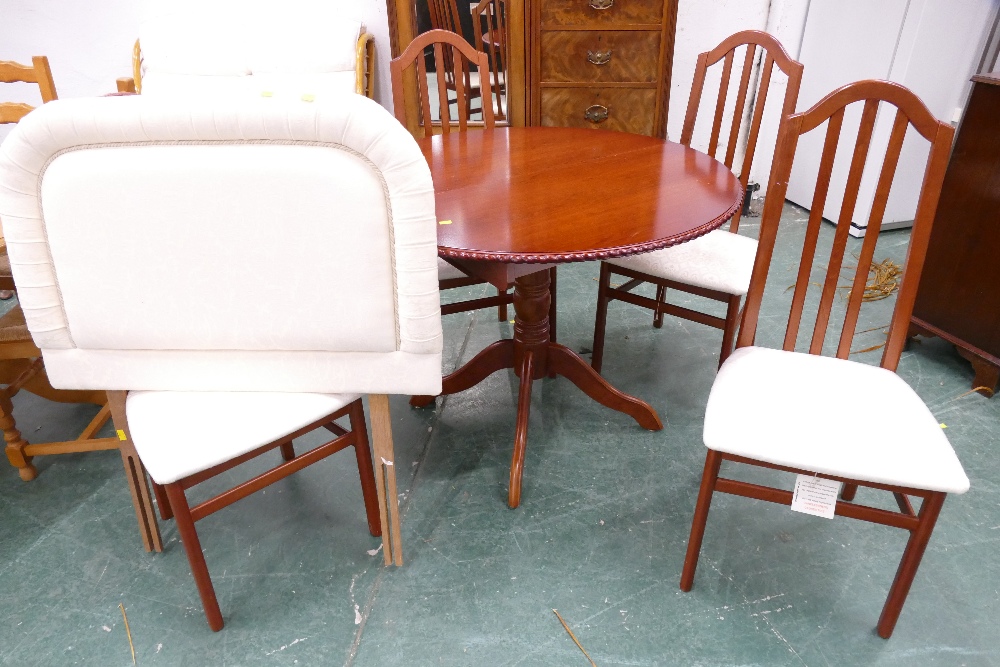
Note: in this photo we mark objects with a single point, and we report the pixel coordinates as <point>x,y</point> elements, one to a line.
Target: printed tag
<point>815,495</point>
<point>444,222</point>
<point>121,435</point>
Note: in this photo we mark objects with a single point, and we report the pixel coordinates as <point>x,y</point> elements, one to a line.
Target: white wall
<point>89,44</point>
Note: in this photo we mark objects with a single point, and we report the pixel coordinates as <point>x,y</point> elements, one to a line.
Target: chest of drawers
<point>601,63</point>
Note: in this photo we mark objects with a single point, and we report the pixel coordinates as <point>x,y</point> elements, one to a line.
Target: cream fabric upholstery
<point>180,433</point>
<point>720,260</point>
<point>246,48</point>
<point>799,410</point>
<point>192,246</point>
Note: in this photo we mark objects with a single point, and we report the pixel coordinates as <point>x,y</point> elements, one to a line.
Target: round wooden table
<point>521,200</point>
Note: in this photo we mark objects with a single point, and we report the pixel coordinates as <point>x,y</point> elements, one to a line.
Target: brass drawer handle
<point>599,57</point>
<point>601,4</point>
<point>596,113</point>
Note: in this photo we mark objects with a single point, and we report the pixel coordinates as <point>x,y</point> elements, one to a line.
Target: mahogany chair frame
<point>461,57</point>
<point>910,111</point>
<point>775,55</point>
<point>173,501</point>
<point>493,42</point>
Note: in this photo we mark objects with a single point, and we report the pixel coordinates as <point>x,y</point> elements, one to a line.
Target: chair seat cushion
<point>179,433</point>
<point>831,416</point>
<point>446,271</point>
<point>719,260</point>
<point>13,328</point>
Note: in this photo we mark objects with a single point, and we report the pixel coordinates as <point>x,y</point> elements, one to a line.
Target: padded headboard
<point>260,246</point>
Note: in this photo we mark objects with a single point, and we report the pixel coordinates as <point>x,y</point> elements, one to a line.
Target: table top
<point>553,194</point>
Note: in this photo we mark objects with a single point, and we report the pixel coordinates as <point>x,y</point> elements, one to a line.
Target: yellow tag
<point>308,98</point>
<point>266,93</point>
<point>944,425</point>
<point>444,222</point>
<point>121,435</point>
<point>512,321</point>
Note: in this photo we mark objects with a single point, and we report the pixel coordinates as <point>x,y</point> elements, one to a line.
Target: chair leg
<point>502,308</point>
<point>192,547</point>
<point>732,324</point>
<point>915,548</point>
<point>362,451</point>
<point>848,492</point>
<point>287,451</point>
<point>661,297</point>
<point>15,443</point>
<point>552,305</point>
<point>600,322</point>
<point>163,502</point>
<point>135,473</point>
<point>708,478</point>
<point>385,480</point>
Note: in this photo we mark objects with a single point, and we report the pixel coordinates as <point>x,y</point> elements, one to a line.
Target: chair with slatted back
<point>21,366</point>
<point>444,16</point>
<point>718,265</point>
<point>490,30</point>
<point>788,410</point>
<point>416,115</point>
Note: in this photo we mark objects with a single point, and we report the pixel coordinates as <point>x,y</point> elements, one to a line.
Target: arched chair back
<point>755,45</point>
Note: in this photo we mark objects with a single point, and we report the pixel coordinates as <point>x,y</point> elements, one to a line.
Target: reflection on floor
<point>600,534</point>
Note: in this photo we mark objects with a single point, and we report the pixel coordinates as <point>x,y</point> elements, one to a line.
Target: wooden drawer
<point>600,55</point>
<point>583,13</point>
<point>628,109</point>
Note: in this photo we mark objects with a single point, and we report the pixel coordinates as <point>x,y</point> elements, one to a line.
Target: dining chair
<point>418,118</point>
<point>290,203</point>
<point>444,15</point>
<point>787,410</point>
<point>489,27</point>
<point>718,265</point>
<point>306,50</point>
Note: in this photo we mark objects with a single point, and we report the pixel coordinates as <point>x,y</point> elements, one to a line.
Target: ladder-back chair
<point>718,265</point>
<point>791,411</point>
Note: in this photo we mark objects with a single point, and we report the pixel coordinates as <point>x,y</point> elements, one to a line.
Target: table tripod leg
<point>521,431</point>
<point>567,363</point>
<point>495,357</point>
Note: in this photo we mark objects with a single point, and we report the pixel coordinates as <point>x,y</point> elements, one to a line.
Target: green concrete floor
<point>600,534</point>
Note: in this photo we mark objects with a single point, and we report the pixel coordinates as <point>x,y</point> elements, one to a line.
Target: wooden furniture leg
<point>362,451</point>
<point>732,324</point>
<point>135,473</point>
<point>661,297</point>
<point>15,444</point>
<point>196,558</point>
<point>533,355</point>
<point>915,547</point>
<point>711,473</point>
<point>601,321</point>
<point>987,373</point>
<point>162,501</point>
<point>385,479</point>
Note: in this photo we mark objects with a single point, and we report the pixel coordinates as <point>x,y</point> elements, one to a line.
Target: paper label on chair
<point>815,495</point>
<point>121,435</point>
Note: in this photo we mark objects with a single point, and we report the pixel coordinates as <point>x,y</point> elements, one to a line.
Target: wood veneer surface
<point>549,194</point>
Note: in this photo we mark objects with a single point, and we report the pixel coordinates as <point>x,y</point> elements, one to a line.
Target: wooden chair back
<point>463,57</point>
<point>493,42</point>
<point>38,72</point>
<point>726,51</point>
<point>909,112</point>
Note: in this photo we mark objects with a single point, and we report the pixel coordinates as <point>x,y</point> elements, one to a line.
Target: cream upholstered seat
<point>787,408</point>
<point>720,261</point>
<point>798,412</point>
<point>242,49</point>
<point>216,427</point>
<point>143,233</point>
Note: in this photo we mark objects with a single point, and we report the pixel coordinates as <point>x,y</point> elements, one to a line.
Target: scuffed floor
<point>600,534</point>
